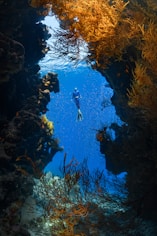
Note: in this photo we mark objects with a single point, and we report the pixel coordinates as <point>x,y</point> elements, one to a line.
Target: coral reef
<point>50,210</point>
<point>26,143</point>
<point>121,38</point>
<point>110,28</point>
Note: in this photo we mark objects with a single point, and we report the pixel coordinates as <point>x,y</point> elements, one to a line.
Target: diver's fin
<point>79,115</point>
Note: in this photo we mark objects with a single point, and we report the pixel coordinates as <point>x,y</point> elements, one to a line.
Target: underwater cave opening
<point>78,138</point>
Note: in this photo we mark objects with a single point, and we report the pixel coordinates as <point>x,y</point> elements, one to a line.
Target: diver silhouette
<point>76,98</point>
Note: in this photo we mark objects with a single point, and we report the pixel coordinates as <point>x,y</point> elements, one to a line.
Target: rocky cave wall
<point>134,149</point>
<point>26,144</point>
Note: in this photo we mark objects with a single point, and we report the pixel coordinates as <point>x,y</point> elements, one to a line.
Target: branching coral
<point>104,25</point>
<point>110,28</point>
<point>152,4</point>
<point>143,92</point>
<point>38,3</point>
<point>140,74</point>
<point>144,87</point>
<point>71,214</point>
<point>149,46</point>
<point>62,212</point>
<point>95,22</point>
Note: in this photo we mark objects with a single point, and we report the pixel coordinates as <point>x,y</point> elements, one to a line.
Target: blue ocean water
<point>78,138</point>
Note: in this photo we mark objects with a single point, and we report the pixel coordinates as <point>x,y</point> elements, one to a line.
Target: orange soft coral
<point>110,28</point>
<point>144,97</point>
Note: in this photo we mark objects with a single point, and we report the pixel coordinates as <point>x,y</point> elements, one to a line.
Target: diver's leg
<point>79,115</point>
<point>77,102</point>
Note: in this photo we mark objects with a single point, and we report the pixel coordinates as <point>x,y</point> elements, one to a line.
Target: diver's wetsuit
<point>76,98</point>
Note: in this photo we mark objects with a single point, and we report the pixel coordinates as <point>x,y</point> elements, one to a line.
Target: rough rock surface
<point>26,146</point>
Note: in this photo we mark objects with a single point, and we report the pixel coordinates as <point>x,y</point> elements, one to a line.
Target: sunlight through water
<point>78,138</point>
